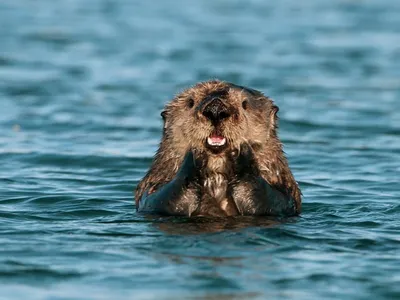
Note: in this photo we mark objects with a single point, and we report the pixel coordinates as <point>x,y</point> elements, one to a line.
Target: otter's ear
<point>273,120</point>
<point>165,118</point>
<point>274,116</point>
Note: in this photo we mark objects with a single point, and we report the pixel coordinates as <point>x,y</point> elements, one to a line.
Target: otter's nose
<point>216,111</point>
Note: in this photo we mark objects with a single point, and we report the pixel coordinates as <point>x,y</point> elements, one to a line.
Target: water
<point>82,84</point>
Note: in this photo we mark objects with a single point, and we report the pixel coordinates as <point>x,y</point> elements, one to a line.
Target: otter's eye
<point>191,103</point>
<point>245,104</point>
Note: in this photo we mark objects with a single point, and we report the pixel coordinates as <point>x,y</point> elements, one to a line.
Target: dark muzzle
<point>216,111</point>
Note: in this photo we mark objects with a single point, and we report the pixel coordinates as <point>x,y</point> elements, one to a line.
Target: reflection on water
<point>200,225</point>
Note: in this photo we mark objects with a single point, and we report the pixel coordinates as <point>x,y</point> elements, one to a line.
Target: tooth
<point>212,143</point>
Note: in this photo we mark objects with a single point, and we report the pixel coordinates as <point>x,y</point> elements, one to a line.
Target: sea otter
<point>219,156</point>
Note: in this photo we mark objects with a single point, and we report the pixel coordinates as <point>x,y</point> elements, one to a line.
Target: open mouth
<point>216,142</point>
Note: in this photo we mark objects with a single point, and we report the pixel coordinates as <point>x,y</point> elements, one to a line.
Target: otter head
<point>218,116</point>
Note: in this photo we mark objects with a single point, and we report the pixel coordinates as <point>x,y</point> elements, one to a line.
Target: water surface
<point>82,84</point>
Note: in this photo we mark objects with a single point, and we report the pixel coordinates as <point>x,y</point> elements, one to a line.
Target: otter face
<point>217,116</point>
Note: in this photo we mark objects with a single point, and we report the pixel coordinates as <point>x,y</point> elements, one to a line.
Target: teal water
<point>82,84</point>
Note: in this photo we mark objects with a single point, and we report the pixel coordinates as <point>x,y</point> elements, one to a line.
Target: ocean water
<point>82,84</point>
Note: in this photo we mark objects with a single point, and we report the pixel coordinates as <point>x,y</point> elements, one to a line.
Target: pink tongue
<point>216,138</point>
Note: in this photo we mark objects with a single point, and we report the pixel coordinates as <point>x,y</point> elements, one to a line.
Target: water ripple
<point>82,84</point>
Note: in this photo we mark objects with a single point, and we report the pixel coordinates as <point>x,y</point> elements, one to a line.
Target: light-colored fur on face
<point>189,129</point>
<point>253,121</point>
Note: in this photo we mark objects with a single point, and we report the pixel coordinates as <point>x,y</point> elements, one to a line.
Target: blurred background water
<point>82,84</point>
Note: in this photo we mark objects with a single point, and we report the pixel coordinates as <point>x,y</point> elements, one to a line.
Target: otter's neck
<point>216,178</point>
<point>216,181</point>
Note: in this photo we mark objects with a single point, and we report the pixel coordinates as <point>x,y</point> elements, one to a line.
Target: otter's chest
<point>215,186</point>
<point>215,199</point>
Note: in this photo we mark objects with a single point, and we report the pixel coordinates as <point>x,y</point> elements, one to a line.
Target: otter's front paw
<point>245,163</point>
<point>200,158</point>
<point>193,163</point>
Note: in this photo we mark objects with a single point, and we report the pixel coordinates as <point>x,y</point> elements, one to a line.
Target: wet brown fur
<point>185,128</point>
